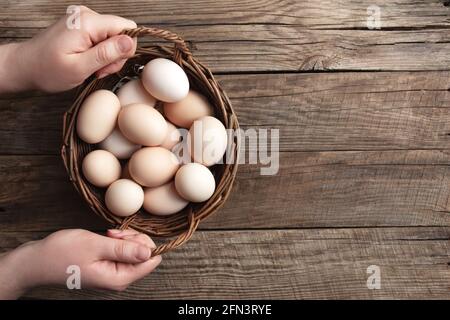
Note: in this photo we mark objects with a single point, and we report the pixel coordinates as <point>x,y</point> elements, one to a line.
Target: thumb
<point>107,52</point>
<point>125,251</point>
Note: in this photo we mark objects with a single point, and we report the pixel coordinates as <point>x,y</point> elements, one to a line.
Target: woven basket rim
<point>181,225</point>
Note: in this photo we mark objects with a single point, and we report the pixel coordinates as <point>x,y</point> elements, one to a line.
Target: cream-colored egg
<point>163,200</point>
<point>153,166</point>
<point>207,140</point>
<point>194,182</point>
<point>134,92</point>
<point>97,116</point>
<point>142,124</point>
<point>118,145</point>
<point>165,80</point>
<point>183,113</point>
<point>124,197</point>
<point>101,168</point>
<point>173,137</point>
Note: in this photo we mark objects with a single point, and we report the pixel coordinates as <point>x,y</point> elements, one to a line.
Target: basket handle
<point>180,45</point>
<point>174,243</point>
<point>180,239</point>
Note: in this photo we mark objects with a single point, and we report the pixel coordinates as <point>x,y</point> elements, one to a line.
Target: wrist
<point>15,69</point>
<point>16,272</point>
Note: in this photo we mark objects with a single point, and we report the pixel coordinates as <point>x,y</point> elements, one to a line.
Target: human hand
<point>112,262</point>
<point>61,58</point>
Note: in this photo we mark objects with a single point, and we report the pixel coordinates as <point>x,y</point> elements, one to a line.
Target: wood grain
<point>364,175</point>
<point>314,112</point>
<point>287,35</point>
<point>289,264</point>
<point>311,189</point>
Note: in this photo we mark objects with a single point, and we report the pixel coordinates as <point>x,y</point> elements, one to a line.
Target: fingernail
<point>143,253</point>
<point>125,44</point>
<point>114,231</point>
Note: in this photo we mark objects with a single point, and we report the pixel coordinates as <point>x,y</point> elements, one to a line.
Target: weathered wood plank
<point>311,189</point>
<point>289,264</point>
<point>310,13</point>
<point>314,112</point>
<point>277,35</point>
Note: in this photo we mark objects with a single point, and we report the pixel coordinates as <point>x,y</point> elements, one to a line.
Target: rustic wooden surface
<point>364,119</point>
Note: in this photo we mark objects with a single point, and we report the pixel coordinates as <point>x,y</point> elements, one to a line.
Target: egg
<point>172,137</point>
<point>124,197</point>
<point>163,200</point>
<point>142,124</point>
<point>97,116</point>
<point>134,92</point>
<point>207,140</point>
<point>101,168</point>
<point>194,182</point>
<point>118,145</point>
<point>153,166</point>
<point>183,113</point>
<point>165,80</point>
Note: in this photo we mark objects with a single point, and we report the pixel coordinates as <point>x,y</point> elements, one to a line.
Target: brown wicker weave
<point>181,225</point>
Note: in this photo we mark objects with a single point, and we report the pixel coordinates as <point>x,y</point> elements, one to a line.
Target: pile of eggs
<point>135,158</point>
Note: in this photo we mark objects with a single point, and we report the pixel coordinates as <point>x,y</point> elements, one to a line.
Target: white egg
<point>134,92</point>
<point>101,168</point>
<point>124,197</point>
<point>118,145</point>
<point>163,200</point>
<point>97,116</point>
<point>194,182</point>
<point>207,140</point>
<point>165,80</point>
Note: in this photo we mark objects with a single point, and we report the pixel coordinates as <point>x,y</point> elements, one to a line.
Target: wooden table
<point>364,179</point>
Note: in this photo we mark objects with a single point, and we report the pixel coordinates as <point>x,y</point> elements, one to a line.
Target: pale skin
<point>61,58</point>
<point>55,60</point>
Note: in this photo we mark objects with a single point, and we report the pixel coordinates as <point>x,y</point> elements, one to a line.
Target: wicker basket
<point>177,228</point>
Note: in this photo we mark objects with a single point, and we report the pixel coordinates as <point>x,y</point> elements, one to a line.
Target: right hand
<point>112,262</point>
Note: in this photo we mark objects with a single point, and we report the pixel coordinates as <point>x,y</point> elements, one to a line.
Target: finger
<point>111,68</point>
<point>102,26</point>
<point>142,239</point>
<point>132,235</point>
<point>124,251</point>
<point>118,234</point>
<point>106,52</point>
<point>131,273</point>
